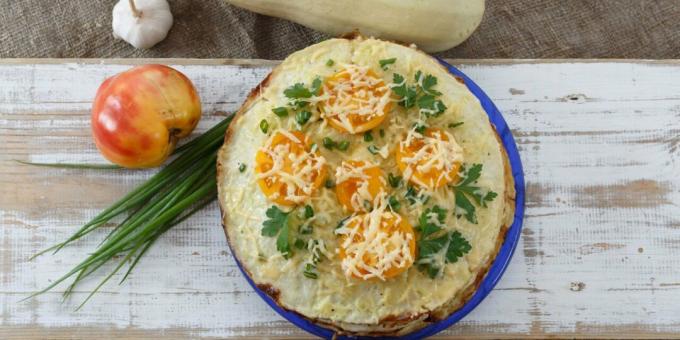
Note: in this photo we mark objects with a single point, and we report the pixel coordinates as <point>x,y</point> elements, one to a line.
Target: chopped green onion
<point>316,86</point>
<point>368,137</point>
<point>303,117</point>
<point>373,149</point>
<point>241,167</point>
<point>329,183</point>
<point>309,211</point>
<point>280,111</point>
<point>385,62</point>
<point>300,244</point>
<point>394,203</point>
<point>394,181</point>
<point>306,229</point>
<point>329,62</point>
<point>343,146</point>
<point>310,271</point>
<point>457,124</point>
<point>328,142</point>
<point>341,223</point>
<point>264,126</point>
<point>412,196</point>
<point>382,133</point>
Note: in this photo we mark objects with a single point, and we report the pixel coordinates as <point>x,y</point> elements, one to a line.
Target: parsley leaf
<point>407,93</point>
<point>418,75</point>
<point>428,228</point>
<point>276,219</point>
<point>470,175</point>
<point>385,62</point>
<point>458,246</point>
<point>419,127</point>
<point>277,223</point>
<point>283,243</point>
<point>400,82</point>
<point>428,82</point>
<point>430,106</point>
<point>299,94</point>
<point>316,86</point>
<point>297,91</point>
<point>466,190</point>
<point>421,93</point>
<point>464,203</point>
<point>412,196</point>
<point>430,247</point>
<point>433,240</point>
<point>488,198</point>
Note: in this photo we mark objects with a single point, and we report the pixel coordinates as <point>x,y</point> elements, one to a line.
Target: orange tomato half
<point>352,191</point>
<point>299,171</point>
<point>429,172</point>
<point>399,230</point>
<point>358,100</point>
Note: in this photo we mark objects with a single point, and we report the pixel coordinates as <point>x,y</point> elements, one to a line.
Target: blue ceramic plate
<point>502,259</point>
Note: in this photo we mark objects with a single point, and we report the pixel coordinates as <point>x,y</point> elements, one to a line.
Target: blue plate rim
<point>497,268</point>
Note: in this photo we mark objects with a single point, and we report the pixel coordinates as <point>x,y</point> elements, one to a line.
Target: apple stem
<point>135,12</point>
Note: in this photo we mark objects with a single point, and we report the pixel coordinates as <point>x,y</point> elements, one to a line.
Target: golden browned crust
<point>393,325</point>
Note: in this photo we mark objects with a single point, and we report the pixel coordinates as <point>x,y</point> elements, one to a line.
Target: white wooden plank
<point>600,144</point>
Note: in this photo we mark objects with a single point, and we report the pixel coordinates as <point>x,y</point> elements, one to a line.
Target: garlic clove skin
<point>145,31</point>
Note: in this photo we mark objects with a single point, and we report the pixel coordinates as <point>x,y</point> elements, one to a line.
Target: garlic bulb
<point>142,23</point>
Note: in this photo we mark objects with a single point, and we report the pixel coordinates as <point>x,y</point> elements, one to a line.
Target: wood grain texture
<point>600,142</point>
<point>215,29</point>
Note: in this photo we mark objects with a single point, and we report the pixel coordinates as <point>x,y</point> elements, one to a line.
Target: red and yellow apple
<point>139,115</point>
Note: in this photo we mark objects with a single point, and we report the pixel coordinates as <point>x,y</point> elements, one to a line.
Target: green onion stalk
<point>172,195</point>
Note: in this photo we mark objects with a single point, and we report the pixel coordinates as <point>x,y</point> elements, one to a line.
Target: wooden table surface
<point>598,257</point>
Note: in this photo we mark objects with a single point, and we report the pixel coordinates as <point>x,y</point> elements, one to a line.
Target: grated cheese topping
<point>348,170</point>
<point>357,172</point>
<point>355,91</point>
<point>292,166</point>
<point>439,152</point>
<point>371,248</point>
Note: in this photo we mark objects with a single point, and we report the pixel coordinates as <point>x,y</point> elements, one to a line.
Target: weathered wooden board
<point>598,256</point>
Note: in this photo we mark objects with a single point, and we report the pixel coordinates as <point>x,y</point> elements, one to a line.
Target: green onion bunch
<point>182,188</point>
